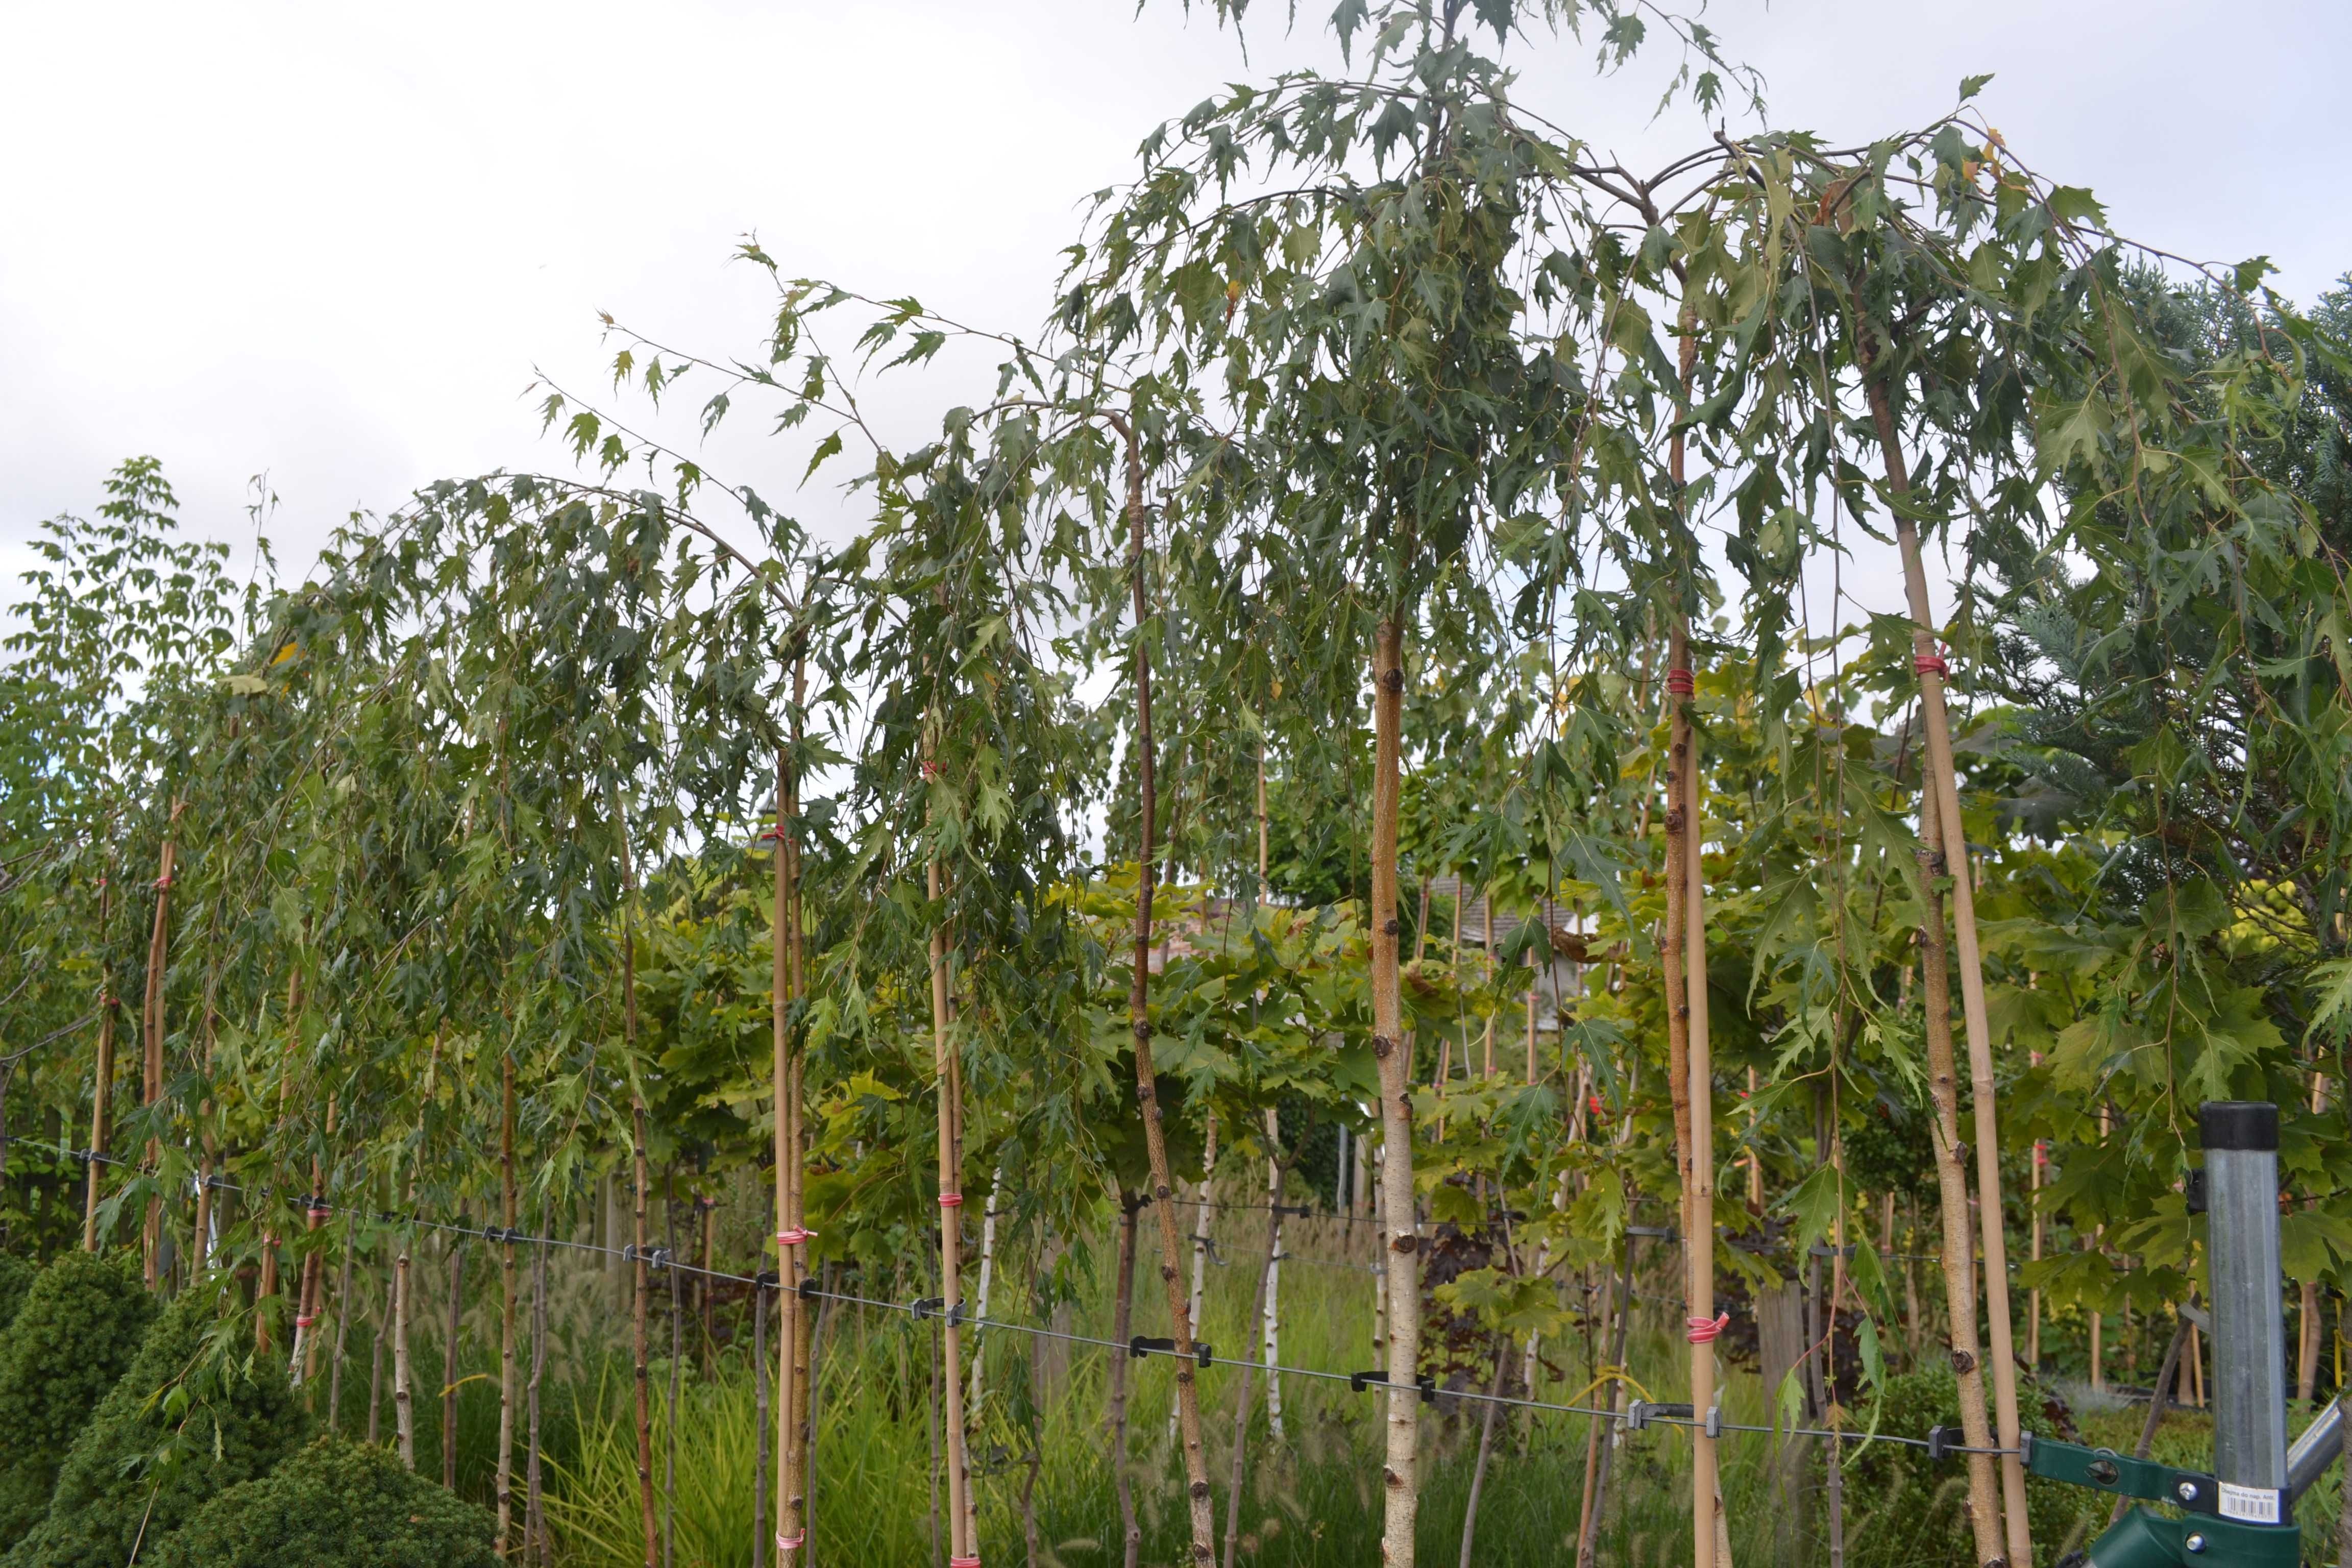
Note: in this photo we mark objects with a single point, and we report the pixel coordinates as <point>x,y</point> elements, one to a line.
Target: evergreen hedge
<point>196,1413</point>
<point>336,1504</point>
<point>79,1324</point>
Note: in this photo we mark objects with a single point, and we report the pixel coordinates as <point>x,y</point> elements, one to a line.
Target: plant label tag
<point>2255,1505</point>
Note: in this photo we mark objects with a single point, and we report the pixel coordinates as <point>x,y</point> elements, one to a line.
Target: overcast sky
<point>332,242</point>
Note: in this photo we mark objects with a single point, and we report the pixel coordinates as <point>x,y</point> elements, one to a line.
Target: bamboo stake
<point>102,1080</point>
<point>1672,948</point>
<point>1402,1396</point>
<point>1706,1474</point>
<point>1138,1007</point>
<point>151,1041</point>
<point>1943,798</point>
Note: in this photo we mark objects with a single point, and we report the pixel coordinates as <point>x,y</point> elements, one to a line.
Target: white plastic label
<point>2255,1505</point>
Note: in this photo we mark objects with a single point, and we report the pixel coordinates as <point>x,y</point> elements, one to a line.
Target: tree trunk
<point>1401,1475</point>
<point>375,1359</point>
<point>1942,801</point>
<point>987,1281</point>
<point>1596,1496</point>
<point>343,1331</point>
<point>102,1087</point>
<point>534,1511</point>
<point>791,1237</point>
<point>1273,1314</point>
<point>449,1366</point>
<point>1122,1327</point>
<point>677,1344</point>
<point>506,1305</point>
<point>1139,1006</point>
<point>1200,1220</point>
<point>1486,1446</point>
<point>403,1296</point>
<point>1241,1396</point>
<point>1952,1183</point>
<point>2156,1409</point>
<point>951,1151</point>
<point>759,1405</point>
<point>151,1030</point>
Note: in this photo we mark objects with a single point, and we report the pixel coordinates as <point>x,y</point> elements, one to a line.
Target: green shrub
<point>16,1276</point>
<point>1903,1512</point>
<point>336,1504</point>
<point>77,1328</point>
<point>196,1413</point>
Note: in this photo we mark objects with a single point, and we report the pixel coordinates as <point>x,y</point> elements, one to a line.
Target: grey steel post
<point>2241,1140</point>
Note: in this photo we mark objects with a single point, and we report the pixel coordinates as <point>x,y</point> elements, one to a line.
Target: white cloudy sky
<point>332,242</point>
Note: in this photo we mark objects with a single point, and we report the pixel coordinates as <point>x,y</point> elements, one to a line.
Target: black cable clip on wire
<point>655,1258</point>
<point>1141,1345</point>
<point>1943,1442</point>
<point>766,1279</point>
<point>1641,1413</point>
<point>928,1306</point>
<point>316,1203</point>
<point>510,1235</point>
<point>1358,1381</point>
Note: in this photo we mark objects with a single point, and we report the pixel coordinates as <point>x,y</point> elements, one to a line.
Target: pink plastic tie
<point>792,1237</point>
<point>791,1542</point>
<point>1705,1331</point>
<point>1681,682</point>
<point>304,1322</point>
<point>953,1201</point>
<point>963,1563</point>
<point>1922,663</point>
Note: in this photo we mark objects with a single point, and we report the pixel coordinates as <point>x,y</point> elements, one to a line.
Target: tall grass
<point>1311,1501</point>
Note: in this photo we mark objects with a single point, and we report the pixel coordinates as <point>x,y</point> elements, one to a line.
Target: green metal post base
<point>2142,1539</point>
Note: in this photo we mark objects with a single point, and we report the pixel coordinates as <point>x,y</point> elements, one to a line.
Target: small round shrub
<point>336,1504</point>
<point>79,1325</point>
<point>15,1278</point>
<point>196,1413</point>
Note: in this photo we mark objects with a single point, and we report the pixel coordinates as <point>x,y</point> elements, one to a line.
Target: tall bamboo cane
<point>1944,800</point>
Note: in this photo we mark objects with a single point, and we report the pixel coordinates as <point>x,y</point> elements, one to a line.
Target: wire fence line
<point>1637,1416</point>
